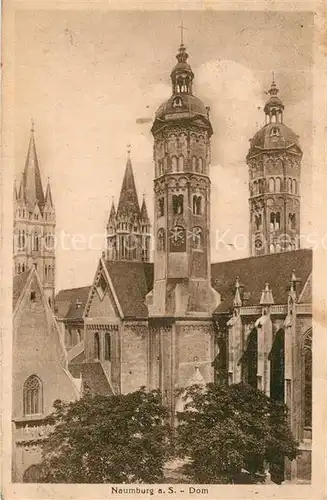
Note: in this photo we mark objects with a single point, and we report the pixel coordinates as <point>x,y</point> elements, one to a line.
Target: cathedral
<point>168,319</point>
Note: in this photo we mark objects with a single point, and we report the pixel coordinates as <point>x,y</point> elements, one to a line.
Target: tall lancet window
<point>32,396</point>
<point>277,368</point>
<point>96,346</point>
<point>249,359</point>
<point>307,379</point>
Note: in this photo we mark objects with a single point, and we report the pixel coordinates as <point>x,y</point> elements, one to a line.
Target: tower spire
<point>48,194</point>
<point>182,27</point>
<point>128,205</point>
<point>32,183</point>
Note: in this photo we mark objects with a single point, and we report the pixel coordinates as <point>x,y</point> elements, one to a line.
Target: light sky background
<point>86,77</point>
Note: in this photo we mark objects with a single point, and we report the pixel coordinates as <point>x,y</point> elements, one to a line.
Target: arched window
<point>249,359</point>
<point>32,474</point>
<point>161,207</point>
<point>294,186</point>
<point>194,164</point>
<point>277,369</point>
<point>23,268</point>
<point>307,379</point>
<point>32,396</point>
<point>255,188</point>
<point>292,221</point>
<point>277,220</point>
<point>174,164</point>
<point>96,346</point>
<point>290,185</point>
<point>19,269</point>
<point>272,221</point>
<point>161,246</point>
<point>107,347</point>
<point>258,221</point>
<point>180,164</point>
<point>271,185</point>
<point>261,186</point>
<point>278,184</point>
<point>36,242</point>
<point>46,272</point>
<point>197,238</point>
<point>272,248</point>
<point>200,165</point>
<point>197,205</point>
<point>178,204</point>
<point>70,338</point>
<point>23,239</point>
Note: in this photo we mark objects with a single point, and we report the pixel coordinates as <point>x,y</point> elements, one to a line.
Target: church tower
<point>35,224</point>
<point>128,228</point>
<point>181,153</point>
<point>274,161</point>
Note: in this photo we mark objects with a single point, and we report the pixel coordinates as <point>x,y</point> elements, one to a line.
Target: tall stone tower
<point>181,333</point>
<point>128,229</point>
<point>182,132</point>
<point>274,161</point>
<point>35,224</point>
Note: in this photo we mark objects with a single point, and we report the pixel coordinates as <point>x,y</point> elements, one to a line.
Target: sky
<point>87,77</point>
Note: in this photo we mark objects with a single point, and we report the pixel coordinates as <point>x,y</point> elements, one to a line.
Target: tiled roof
<point>66,302</point>
<point>254,272</point>
<point>19,282</point>
<point>131,282</point>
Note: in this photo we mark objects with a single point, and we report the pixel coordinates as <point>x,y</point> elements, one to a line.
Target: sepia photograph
<point>162,248</point>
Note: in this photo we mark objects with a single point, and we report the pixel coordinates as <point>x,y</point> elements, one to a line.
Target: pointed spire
<point>15,191</point>
<point>48,194</point>
<point>237,302</point>
<point>144,211</point>
<point>112,214</point>
<point>32,184</point>
<point>128,205</point>
<point>267,298</point>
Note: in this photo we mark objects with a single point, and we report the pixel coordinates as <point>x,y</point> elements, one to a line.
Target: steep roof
<point>32,189</point>
<point>95,380</point>
<point>70,303</point>
<point>255,272</point>
<point>144,211</point>
<point>131,281</point>
<point>128,205</point>
<point>19,283</point>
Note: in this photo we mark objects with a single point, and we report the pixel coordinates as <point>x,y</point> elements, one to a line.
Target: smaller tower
<point>274,161</point>
<point>128,228</point>
<point>34,224</point>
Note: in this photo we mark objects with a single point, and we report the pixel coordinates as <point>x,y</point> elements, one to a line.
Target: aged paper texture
<point>163,249</point>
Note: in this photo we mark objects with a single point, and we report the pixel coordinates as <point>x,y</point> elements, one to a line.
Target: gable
<point>101,301</point>
<point>38,350</point>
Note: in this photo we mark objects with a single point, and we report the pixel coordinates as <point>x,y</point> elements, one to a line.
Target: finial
<point>182,27</point>
<point>128,150</point>
<point>273,77</point>
<point>237,282</point>
<point>32,126</point>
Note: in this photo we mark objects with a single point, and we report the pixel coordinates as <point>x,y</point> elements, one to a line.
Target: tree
<point>107,439</point>
<point>225,430</point>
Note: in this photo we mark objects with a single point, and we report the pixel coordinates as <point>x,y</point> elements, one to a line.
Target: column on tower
<point>34,224</point>
<point>274,161</point>
<point>182,132</point>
